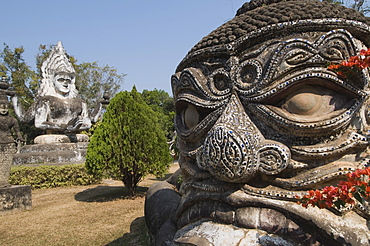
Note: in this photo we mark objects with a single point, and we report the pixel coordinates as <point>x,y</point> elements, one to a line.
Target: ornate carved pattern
<point>234,149</point>
<point>260,118</point>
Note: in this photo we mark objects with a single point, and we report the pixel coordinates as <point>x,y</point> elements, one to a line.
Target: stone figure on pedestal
<point>7,144</point>
<point>57,108</point>
<point>18,197</point>
<point>260,120</point>
<point>59,111</point>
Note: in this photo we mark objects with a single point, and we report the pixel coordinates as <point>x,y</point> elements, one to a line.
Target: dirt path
<point>80,215</point>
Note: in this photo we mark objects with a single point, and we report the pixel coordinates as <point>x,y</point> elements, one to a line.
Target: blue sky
<point>145,39</point>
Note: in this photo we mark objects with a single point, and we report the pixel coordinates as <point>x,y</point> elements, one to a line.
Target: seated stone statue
<point>260,120</point>
<point>57,108</point>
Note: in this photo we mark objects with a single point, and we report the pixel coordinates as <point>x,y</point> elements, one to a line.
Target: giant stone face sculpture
<point>260,120</point>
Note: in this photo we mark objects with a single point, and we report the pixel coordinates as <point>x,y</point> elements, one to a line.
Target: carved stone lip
<point>343,145</point>
<point>307,179</point>
<point>313,216</point>
<point>238,208</point>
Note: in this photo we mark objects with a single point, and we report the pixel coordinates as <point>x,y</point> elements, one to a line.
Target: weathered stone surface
<point>260,120</point>
<point>8,126</point>
<point>166,207</point>
<point>60,138</point>
<point>15,198</point>
<point>212,234</point>
<point>51,153</point>
<point>6,155</point>
<point>51,138</point>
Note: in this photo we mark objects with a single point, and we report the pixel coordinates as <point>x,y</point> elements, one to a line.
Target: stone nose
<point>235,150</point>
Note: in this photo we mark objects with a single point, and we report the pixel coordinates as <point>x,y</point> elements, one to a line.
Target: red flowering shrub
<point>356,187</point>
<point>353,65</point>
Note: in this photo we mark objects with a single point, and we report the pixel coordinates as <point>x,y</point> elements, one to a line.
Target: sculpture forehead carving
<point>256,21</point>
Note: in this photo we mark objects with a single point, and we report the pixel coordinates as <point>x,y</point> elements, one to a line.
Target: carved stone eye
<point>191,117</point>
<point>221,82</point>
<point>314,101</point>
<point>333,53</point>
<point>296,57</point>
<point>303,103</point>
<point>248,74</point>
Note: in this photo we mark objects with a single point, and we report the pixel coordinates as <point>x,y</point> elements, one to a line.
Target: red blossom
<point>346,192</point>
<point>349,67</point>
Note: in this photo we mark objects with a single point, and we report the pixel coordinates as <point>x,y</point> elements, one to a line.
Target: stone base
<point>15,198</point>
<point>51,153</point>
<point>61,138</point>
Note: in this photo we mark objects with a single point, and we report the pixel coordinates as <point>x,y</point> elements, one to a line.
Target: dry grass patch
<point>80,215</point>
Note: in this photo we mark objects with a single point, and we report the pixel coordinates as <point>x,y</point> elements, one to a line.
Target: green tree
<point>163,104</point>
<point>93,81</point>
<point>13,66</point>
<point>21,78</point>
<point>129,143</point>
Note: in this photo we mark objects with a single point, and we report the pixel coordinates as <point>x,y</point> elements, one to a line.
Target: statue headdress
<point>57,62</point>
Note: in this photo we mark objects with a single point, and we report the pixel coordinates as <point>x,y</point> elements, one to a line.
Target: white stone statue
<point>57,108</point>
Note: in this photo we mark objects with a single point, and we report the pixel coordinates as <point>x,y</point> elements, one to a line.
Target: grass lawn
<point>80,215</point>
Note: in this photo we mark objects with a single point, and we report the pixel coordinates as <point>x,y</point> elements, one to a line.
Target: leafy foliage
<point>129,143</point>
<point>354,64</point>
<point>14,67</point>
<point>359,5</point>
<point>51,176</point>
<point>164,106</point>
<point>92,81</point>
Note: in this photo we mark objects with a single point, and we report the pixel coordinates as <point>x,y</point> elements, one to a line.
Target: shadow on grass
<point>104,193</point>
<point>137,236</point>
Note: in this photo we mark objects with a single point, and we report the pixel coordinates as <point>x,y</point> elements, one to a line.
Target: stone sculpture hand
<point>75,124</point>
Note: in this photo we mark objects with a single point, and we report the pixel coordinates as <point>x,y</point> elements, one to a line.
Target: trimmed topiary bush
<point>40,177</point>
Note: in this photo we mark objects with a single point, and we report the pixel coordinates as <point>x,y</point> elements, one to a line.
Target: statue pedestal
<point>53,148</point>
<point>15,198</point>
<point>60,138</point>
